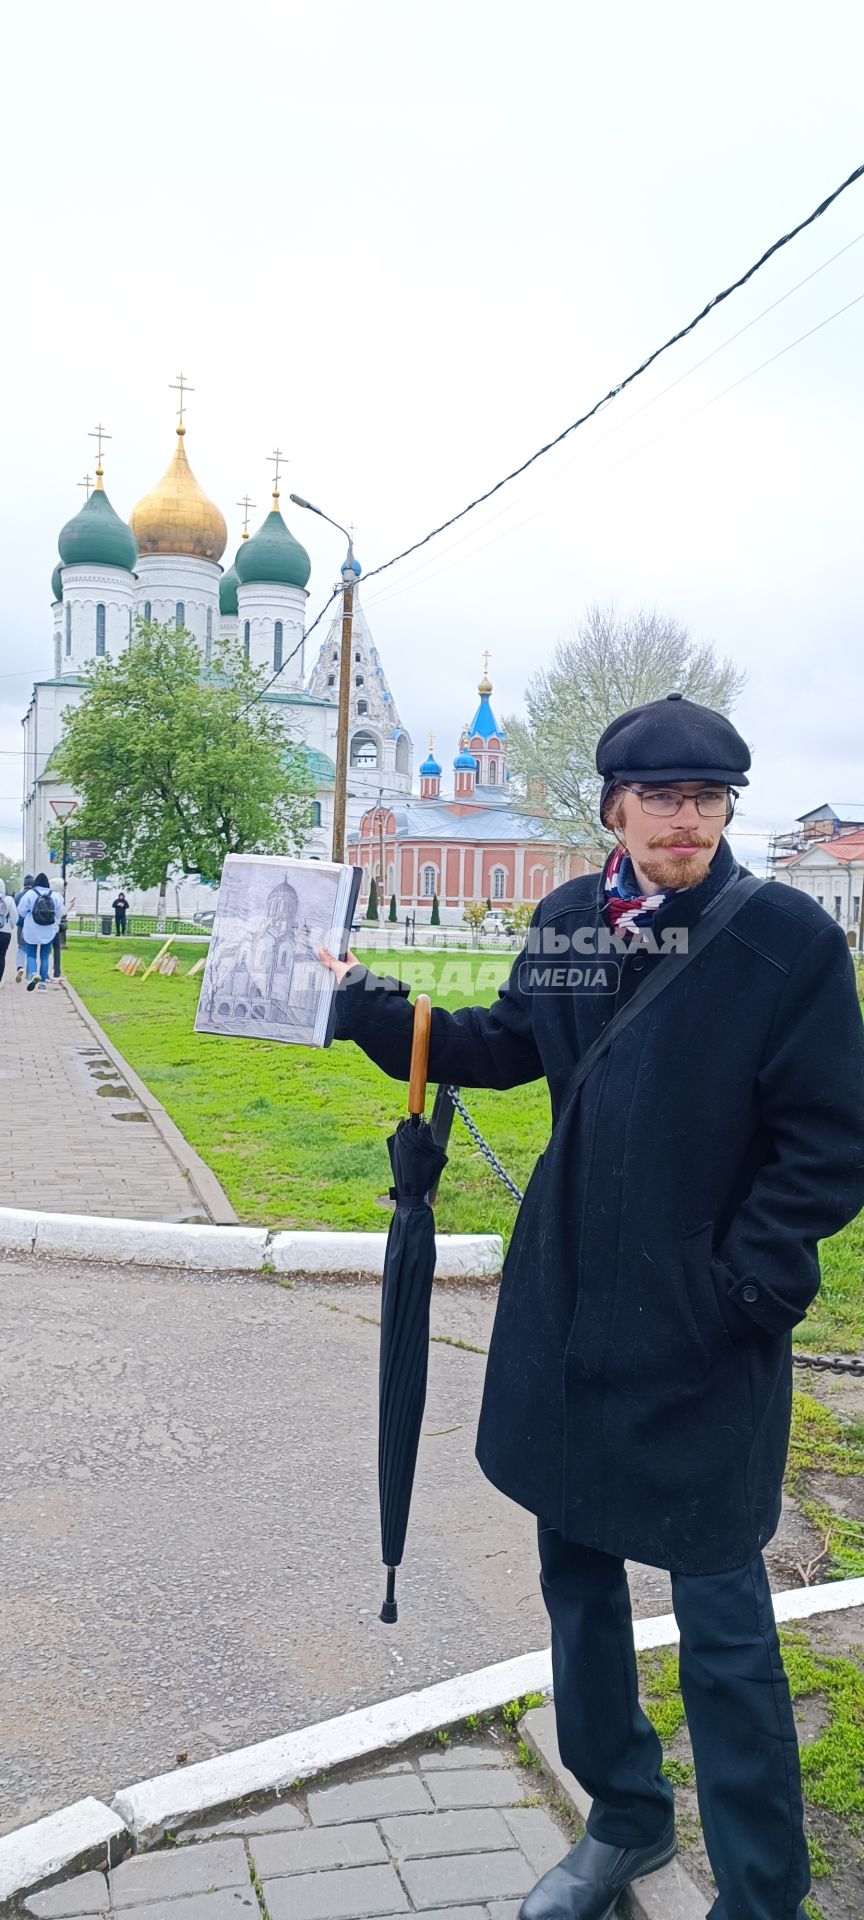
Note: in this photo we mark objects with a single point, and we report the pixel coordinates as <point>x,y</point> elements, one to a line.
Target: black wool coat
<point>639,1383</point>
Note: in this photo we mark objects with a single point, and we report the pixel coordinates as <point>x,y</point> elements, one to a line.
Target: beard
<point>665,869</point>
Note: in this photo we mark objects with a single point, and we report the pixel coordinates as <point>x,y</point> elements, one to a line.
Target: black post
<point>65,852</point>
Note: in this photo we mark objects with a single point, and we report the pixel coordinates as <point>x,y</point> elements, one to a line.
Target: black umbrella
<point>409,1266</point>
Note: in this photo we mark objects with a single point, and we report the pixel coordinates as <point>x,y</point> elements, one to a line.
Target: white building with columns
<point>165,565</point>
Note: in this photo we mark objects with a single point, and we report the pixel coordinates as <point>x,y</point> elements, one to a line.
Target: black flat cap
<point>673,739</point>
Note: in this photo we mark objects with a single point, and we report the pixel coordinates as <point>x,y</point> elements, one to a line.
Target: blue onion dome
<point>430,765</point>
<point>465,760</point>
<point>57,583</point>
<point>273,557</point>
<point>228,591</point>
<point>355,568</point>
<point>97,537</point>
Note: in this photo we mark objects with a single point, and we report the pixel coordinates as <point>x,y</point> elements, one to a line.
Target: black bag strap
<point>716,915</point>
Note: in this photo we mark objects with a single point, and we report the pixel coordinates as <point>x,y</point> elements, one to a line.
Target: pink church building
<point>473,845</point>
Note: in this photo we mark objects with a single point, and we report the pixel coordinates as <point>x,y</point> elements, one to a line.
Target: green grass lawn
<point>297,1136</point>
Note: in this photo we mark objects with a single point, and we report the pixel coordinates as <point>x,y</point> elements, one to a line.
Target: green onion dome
<point>97,537</point>
<point>228,591</point>
<point>57,583</point>
<point>273,557</point>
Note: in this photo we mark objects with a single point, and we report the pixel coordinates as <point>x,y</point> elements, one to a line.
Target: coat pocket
<point>697,1248</point>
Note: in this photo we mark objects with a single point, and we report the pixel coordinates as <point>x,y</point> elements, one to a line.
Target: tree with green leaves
<point>12,871</point>
<point>372,903</point>
<point>474,914</point>
<point>392,914</point>
<point>604,666</point>
<point>175,766</point>
<point>435,916</point>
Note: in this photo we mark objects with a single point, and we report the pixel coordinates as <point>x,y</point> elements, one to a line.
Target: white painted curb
<point>167,1801</point>
<point>35,1852</point>
<point>163,1243</point>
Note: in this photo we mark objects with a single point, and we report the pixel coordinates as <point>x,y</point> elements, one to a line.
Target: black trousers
<point>4,947</point>
<point>739,1715</point>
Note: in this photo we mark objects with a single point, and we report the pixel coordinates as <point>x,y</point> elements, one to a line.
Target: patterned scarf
<point>628,909</point>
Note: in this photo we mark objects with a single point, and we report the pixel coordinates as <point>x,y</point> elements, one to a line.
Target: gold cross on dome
<point>431,741</point>
<point>274,459</point>
<point>87,483</point>
<point>247,506</point>
<point>181,386</point>
<point>98,433</point>
<point>486,663</point>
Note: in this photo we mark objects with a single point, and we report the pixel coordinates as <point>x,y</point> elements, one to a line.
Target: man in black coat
<point>639,1385</point>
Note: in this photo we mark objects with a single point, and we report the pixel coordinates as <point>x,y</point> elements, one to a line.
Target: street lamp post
<point>348,579</point>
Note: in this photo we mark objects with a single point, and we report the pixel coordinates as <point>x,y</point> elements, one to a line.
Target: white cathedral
<point>164,564</point>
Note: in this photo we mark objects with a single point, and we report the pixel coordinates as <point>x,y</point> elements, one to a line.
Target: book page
<point>263,977</point>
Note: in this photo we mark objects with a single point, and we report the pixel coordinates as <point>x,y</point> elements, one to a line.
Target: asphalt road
<point>189,1552</point>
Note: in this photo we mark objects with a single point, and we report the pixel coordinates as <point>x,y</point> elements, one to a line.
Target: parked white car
<point>494,921</point>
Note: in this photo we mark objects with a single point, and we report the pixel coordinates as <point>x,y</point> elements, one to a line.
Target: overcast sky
<point>410,243</point>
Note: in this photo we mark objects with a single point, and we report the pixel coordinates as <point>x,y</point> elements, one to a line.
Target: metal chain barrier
<point>484,1146</point>
<point>818,1362</point>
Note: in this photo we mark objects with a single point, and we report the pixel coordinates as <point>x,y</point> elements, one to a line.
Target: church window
<point>208,645</point>
<point>357,657</point>
<point>335,654</point>
<point>147,609</point>
<point>316,814</point>
<point>428,882</point>
<point>246,632</point>
<point>331,679</point>
<point>129,629</point>
<point>358,680</point>
<point>180,614</point>
<point>498,879</point>
<point>493,773</point>
<point>100,629</point>
<point>68,628</point>
<point>364,750</point>
<point>277,646</point>
<point>403,753</point>
<point>362,706</point>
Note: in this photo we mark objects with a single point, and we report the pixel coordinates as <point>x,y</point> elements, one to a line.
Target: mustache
<point>692,841</point>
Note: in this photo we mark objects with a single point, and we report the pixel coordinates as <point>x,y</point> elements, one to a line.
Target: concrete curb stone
<point>218,1249</point>
<point>46,1847</point>
<point>669,1894</point>
<point>201,1178</point>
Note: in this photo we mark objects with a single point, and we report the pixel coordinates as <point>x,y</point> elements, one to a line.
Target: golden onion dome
<point>177,516</point>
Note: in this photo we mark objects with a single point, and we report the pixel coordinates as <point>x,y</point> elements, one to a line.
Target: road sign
<point>87,849</point>
<point>63,808</point>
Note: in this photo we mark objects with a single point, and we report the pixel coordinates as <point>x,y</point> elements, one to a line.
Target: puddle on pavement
<point>139,1115</point>
<point>115,1091</point>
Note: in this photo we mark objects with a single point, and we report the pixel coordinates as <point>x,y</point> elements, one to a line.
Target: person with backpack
<point>8,922</point>
<point>120,908</point>
<point>39,914</point>
<point>18,897</point>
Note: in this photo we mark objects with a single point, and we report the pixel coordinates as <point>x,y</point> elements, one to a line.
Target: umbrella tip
<point>389,1613</point>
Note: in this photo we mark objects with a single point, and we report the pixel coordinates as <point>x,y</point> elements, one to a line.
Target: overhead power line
<point>628,380</point>
<point>389,592</point>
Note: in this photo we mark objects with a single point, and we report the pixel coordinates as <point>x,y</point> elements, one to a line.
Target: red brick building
<point>475,845</point>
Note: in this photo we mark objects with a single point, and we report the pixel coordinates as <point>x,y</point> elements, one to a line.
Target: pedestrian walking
<point>8,924</point>
<point>21,958</point>
<point>120,908</point>
<point>639,1384</point>
<point>39,913</point>
<point>59,941</point>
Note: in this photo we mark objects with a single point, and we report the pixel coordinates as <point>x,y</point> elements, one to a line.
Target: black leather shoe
<point>586,1883</point>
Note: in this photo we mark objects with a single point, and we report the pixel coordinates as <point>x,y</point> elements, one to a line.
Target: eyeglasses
<point>710,802</point>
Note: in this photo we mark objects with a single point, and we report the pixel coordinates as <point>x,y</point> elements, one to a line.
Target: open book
<point>263,976</point>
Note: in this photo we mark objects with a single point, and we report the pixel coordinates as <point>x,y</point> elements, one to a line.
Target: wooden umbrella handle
<point>420,1054</point>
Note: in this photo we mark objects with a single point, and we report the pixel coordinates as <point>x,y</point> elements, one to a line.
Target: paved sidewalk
<point>73,1137</point>
<point>447,1830</point>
